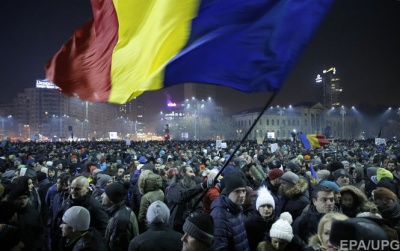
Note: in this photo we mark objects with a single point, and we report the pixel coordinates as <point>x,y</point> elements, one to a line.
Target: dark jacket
<point>157,237</point>
<point>32,228</point>
<point>91,241</point>
<point>181,201</point>
<point>121,228</point>
<point>306,225</point>
<point>98,216</point>
<point>55,218</point>
<point>291,246</point>
<point>295,199</point>
<point>257,229</point>
<point>229,228</point>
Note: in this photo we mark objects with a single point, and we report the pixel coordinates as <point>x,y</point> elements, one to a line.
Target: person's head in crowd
<point>75,222</point>
<point>235,188</point>
<point>120,171</point>
<point>62,182</point>
<point>341,177</point>
<point>103,180</point>
<point>335,165</point>
<point>126,176</point>
<point>79,187</point>
<point>158,213</point>
<point>198,233</point>
<point>187,176</point>
<point>51,172</point>
<point>274,177</point>
<point>19,196</point>
<point>115,193</point>
<point>334,187</point>
<point>384,198</point>
<point>293,167</point>
<point>357,231</point>
<point>323,198</point>
<point>391,165</point>
<point>346,165</point>
<point>324,228</point>
<point>26,182</point>
<point>265,203</point>
<point>281,232</point>
<point>10,238</point>
<point>250,195</point>
<point>288,180</point>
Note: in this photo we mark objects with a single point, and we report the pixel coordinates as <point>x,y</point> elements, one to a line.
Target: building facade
<point>308,118</point>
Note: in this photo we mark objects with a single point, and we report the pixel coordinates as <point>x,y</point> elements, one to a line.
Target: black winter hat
<point>117,192</point>
<point>17,191</point>
<point>233,181</point>
<point>200,227</point>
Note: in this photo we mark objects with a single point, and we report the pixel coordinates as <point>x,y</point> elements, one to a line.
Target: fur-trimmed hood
<point>315,243</point>
<point>298,189</point>
<point>149,181</point>
<point>355,191</point>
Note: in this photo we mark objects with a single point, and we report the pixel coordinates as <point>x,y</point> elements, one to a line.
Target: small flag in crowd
<point>132,46</point>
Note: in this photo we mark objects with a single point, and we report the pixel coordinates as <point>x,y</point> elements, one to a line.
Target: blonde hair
<point>327,218</point>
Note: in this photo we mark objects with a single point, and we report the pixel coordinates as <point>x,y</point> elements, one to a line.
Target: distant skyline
<point>360,38</point>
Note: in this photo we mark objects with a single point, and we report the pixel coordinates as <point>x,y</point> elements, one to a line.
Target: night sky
<point>361,38</point>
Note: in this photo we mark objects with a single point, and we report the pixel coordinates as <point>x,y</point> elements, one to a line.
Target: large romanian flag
<point>312,141</point>
<point>132,46</point>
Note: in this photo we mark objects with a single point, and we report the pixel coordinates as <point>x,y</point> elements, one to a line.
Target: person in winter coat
<point>213,193</point>
<point>320,241</point>
<point>388,206</point>
<point>358,176</point>
<point>295,195</point>
<point>323,202</point>
<point>102,181</point>
<point>259,224</point>
<point>75,228</point>
<point>122,226</point>
<point>80,196</point>
<point>150,185</point>
<point>199,231</point>
<point>158,234</point>
<point>352,199</point>
<point>28,218</point>
<point>281,236</point>
<point>226,210</point>
<point>273,182</point>
<point>182,196</point>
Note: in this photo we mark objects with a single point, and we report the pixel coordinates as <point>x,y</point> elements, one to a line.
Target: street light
<point>342,112</point>
<point>29,131</point>
<point>199,105</point>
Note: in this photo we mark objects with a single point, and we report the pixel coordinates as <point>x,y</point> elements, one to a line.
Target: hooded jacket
<point>295,199</point>
<point>359,200</point>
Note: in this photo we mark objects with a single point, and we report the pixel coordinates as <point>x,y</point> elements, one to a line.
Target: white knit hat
<point>77,217</point>
<point>282,229</point>
<point>264,197</point>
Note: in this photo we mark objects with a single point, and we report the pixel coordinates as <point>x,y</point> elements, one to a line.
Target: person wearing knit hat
<point>383,173</point>
<point>294,194</point>
<point>102,181</point>
<point>383,197</point>
<point>199,231</point>
<point>158,234</point>
<point>275,174</point>
<point>290,177</point>
<point>260,222</point>
<point>123,225</point>
<point>341,177</point>
<point>10,238</point>
<point>75,227</point>
<point>281,236</point>
<point>226,211</point>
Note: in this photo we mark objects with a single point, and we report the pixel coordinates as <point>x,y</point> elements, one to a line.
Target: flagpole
<point>237,146</point>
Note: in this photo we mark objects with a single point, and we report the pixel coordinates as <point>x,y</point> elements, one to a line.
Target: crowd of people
<point>195,195</point>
